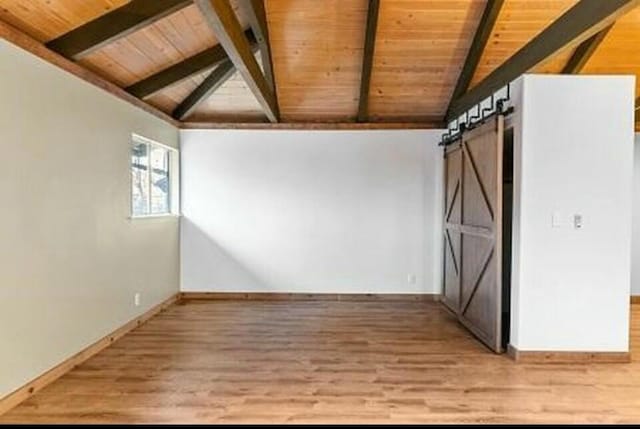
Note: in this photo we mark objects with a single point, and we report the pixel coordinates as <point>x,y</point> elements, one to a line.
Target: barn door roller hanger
<point>497,106</point>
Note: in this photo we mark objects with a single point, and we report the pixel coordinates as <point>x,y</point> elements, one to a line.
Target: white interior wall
<point>635,254</point>
<point>70,258</point>
<point>311,211</point>
<point>573,155</point>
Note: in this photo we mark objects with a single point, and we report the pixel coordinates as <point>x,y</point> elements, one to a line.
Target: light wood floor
<point>247,361</point>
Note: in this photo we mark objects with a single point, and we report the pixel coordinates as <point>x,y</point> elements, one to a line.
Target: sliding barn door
<point>473,231</point>
<point>452,219</point>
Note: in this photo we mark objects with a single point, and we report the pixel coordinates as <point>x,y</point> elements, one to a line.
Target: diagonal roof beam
<point>215,80</point>
<point>218,76</point>
<point>224,23</point>
<point>185,69</point>
<point>485,28</point>
<point>258,22</point>
<point>37,48</point>
<point>113,25</point>
<point>584,52</point>
<point>579,23</point>
<point>367,60</point>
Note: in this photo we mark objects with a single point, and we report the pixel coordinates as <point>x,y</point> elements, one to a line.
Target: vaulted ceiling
<point>418,49</point>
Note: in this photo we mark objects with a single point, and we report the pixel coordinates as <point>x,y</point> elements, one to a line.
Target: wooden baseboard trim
<point>23,393</point>
<point>225,296</point>
<point>635,299</point>
<point>541,357</point>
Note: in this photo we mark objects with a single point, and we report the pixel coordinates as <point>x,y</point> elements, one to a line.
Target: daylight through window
<point>151,178</point>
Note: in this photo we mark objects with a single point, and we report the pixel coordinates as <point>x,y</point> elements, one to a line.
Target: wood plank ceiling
<point>518,22</point>
<point>619,52</point>
<point>419,50</point>
<point>317,52</point>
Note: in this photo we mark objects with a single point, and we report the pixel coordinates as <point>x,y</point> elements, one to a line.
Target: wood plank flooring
<point>316,362</point>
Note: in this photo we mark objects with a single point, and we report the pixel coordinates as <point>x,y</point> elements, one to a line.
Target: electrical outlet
<point>136,299</point>
<point>411,279</point>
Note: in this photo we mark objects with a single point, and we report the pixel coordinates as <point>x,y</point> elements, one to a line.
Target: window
<point>153,178</point>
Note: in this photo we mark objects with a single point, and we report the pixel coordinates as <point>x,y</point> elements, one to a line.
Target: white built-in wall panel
<point>635,254</point>
<point>574,155</point>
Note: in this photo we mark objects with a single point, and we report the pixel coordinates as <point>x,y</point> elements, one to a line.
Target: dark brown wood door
<point>452,216</point>
<point>473,231</point>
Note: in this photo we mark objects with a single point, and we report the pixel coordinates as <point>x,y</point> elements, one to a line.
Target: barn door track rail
<point>497,106</point>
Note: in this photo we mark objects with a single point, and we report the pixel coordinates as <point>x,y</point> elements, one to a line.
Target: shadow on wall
<point>229,274</point>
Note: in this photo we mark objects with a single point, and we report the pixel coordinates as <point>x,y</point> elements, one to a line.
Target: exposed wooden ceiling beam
<point>217,77</point>
<point>29,44</point>
<point>114,25</point>
<point>215,80</point>
<point>582,21</point>
<point>224,23</point>
<point>584,52</point>
<point>367,59</point>
<point>485,28</point>
<point>258,21</point>
<point>176,73</point>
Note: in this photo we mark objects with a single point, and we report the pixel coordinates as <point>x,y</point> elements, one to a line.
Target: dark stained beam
<point>224,23</point>
<point>258,22</point>
<point>36,48</point>
<point>176,73</point>
<point>582,21</point>
<point>584,52</point>
<point>483,32</point>
<point>367,60</point>
<point>114,25</point>
<point>217,77</point>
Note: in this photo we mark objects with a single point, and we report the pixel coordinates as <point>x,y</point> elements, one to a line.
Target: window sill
<point>156,216</point>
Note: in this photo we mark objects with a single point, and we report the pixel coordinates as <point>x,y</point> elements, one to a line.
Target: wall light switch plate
<point>411,279</point>
<point>136,300</point>
<point>577,221</point>
<point>557,220</point>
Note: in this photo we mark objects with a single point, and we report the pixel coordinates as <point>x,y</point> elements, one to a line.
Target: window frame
<point>174,178</point>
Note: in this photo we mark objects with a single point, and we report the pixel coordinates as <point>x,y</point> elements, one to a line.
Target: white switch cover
<point>577,221</point>
<point>557,220</point>
<point>136,300</point>
<point>411,279</point>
